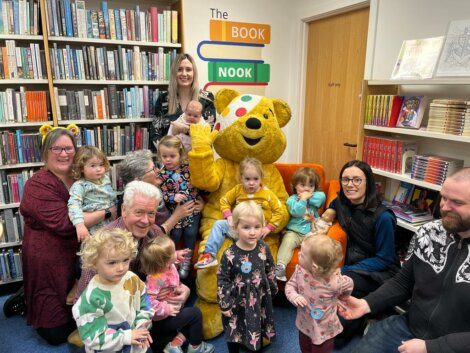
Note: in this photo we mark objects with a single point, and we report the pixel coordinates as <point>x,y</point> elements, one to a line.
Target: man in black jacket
<point>436,275</point>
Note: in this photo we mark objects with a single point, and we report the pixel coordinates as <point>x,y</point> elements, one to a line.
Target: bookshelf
<point>96,73</point>
<point>428,142</point>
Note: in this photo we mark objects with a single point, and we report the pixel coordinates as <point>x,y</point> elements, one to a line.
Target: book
<point>453,60</point>
<point>412,112</point>
<point>403,193</point>
<point>424,199</point>
<point>417,58</point>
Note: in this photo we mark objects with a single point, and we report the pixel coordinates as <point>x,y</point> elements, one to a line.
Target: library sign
<point>234,55</point>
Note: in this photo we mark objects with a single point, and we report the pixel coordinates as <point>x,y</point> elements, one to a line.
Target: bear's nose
<point>253,123</point>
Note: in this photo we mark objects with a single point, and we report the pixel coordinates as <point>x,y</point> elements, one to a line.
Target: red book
<point>395,110</point>
<point>154,23</point>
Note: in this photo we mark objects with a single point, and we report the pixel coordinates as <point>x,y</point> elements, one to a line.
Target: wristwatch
<point>107,213</point>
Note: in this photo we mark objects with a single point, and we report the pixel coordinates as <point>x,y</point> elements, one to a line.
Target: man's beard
<point>454,223</point>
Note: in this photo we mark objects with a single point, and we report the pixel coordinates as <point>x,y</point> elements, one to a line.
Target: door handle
<point>347,144</point>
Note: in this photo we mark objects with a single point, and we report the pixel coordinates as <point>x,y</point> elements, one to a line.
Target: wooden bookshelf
<point>111,82</point>
<point>113,42</point>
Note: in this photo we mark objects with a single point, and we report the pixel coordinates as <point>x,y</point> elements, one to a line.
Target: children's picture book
<point>412,112</point>
<point>424,199</point>
<point>455,57</point>
<point>403,193</point>
<point>417,59</point>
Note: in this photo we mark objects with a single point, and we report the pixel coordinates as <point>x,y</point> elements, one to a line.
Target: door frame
<point>321,13</point>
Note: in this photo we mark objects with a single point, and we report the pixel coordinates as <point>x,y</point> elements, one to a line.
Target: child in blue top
<point>303,208</point>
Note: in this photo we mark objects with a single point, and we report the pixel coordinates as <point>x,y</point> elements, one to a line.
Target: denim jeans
<point>220,229</point>
<point>188,233</point>
<point>385,336</point>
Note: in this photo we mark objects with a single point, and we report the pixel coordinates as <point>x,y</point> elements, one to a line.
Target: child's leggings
<point>306,345</point>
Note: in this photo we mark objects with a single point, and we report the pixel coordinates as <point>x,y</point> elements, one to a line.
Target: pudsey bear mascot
<point>247,125</point>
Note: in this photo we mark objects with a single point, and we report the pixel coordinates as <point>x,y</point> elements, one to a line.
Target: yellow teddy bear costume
<point>248,125</point>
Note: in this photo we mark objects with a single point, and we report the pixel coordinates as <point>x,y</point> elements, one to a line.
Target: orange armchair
<point>329,187</point>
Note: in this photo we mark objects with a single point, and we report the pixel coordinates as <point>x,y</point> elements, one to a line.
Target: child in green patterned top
<point>114,313</point>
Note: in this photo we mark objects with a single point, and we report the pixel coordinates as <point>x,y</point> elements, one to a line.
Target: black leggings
<point>57,335</point>
<point>188,322</point>
<point>234,347</point>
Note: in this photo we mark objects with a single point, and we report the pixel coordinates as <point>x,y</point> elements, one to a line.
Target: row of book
<point>11,267</point>
<point>116,140</point>
<point>19,17</point>
<point>107,103</point>
<point>13,224</point>
<point>13,185</point>
<point>394,110</point>
<point>19,106</point>
<point>434,169</point>
<point>90,63</point>
<point>449,116</point>
<point>389,154</point>
<point>22,62</point>
<point>19,147</point>
<point>71,19</point>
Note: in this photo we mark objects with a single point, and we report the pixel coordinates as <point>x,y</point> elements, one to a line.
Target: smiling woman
<point>370,228</point>
<point>183,88</point>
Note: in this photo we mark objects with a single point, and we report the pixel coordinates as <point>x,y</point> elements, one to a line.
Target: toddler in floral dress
<point>315,289</point>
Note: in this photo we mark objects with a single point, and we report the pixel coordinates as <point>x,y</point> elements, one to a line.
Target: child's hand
<point>227,313</point>
<point>304,195</point>
<point>174,309</point>
<point>82,232</point>
<point>300,301</point>
<point>264,232</point>
<point>179,198</point>
<point>230,221</point>
<point>141,337</point>
<point>182,254</point>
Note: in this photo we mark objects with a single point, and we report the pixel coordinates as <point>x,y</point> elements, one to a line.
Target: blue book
<point>89,24</point>
<point>68,18</point>
<point>19,177</point>
<point>11,263</point>
<point>1,17</point>
<point>18,134</point>
<point>4,269</point>
<point>75,63</point>
<point>117,20</point>
<point>104,8</point>
<point>16,17</point>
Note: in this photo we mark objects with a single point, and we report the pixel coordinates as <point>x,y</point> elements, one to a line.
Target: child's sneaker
<point>169,348</point>
<point>204,347</point>
<point>206,260</point>
<point>281,272</point>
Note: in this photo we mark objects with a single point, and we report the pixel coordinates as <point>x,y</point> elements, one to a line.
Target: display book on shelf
<point>79,43</point>
<point>428,143</point>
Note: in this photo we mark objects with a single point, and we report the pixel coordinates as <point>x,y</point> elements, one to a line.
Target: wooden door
<point>335,71</point>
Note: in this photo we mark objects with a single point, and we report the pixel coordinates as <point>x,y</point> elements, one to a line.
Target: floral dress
<point>245,283</point>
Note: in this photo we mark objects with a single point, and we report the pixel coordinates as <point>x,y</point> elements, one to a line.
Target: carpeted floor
<point>17,337</point>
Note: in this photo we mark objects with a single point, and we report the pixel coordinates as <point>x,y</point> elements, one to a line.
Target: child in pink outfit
<point>167,297</point>
<point>315,289</point>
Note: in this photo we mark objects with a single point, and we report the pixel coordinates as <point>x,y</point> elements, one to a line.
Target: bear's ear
<point>223,98</point>
<point>283,112</point>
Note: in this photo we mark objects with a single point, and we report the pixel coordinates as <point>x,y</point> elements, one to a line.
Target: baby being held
<point>180,127</point>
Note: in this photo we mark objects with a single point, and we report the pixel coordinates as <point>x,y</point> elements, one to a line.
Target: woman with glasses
<point>49,240</point>
<point>370,228</point>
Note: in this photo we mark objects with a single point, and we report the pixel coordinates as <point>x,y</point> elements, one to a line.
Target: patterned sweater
<point>106,314</point>
<point>155,283</point>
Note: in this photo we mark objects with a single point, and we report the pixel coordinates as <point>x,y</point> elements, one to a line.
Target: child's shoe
<point>206,260</point>
<point>169,348</point>
<point>281,272</point>
<point>185,266</point>
<point>204,347</point>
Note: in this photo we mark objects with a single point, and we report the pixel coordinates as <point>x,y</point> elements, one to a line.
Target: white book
<point>161,60</point>
<point>18,113</point>
<point>57,103</point>
<point>168,26</point>
<point>11,57</point>
<point>66,64</point>
<point>103,104</point>
<point>33,59</point>
<point>137,66</point>
<point>111,65</point>
<point>81,18</point>
<point>19,62</point>
<point>38,60</point>
<point>21,16</point>
<point>124,64</point>
<point>95,105</point>
<point>10,111</point>
<point>35,18</point>
<point>81,62</point>
<point>5,12</point>
<point>24,107</point>
<point>143,32</point>
<point>81,105</point>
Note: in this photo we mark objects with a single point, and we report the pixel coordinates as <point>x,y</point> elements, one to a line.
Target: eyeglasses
<point>154,169</point>
<point>356,181</point>
<point>58,150</point>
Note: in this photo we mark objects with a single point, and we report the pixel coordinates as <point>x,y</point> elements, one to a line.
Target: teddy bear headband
<point>46,128</point>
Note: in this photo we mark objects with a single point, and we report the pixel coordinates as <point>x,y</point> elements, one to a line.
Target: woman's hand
<point>199,205</point>
<point>174,309</point>
<point>82,232</point>
<point>141,337</point>
<point>414,345</point>
<point>181,294</point>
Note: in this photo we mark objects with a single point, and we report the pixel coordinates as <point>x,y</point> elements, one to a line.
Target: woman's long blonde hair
<point>173,86</point>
